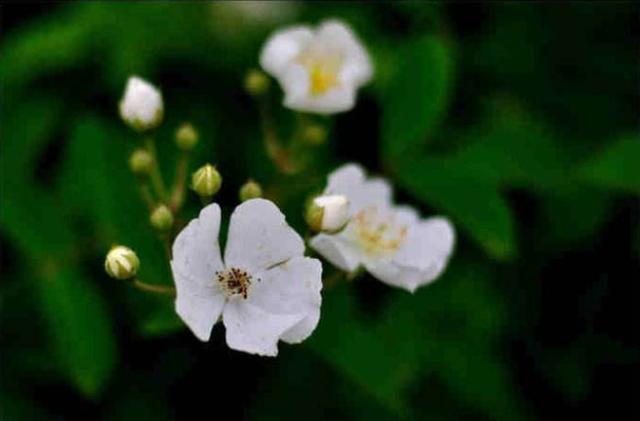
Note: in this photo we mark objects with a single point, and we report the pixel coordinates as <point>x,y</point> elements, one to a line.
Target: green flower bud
<point>327,213</point>
<point>206,181</point>
<point>256,83</point>
<point>314,134</point>
<point>186,137</point>
<point>141,162</point>
<point>250,190</point>
<point>161,218</point>
<point>121,263</point>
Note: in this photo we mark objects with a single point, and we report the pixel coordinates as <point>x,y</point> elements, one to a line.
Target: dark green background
<point>518,121</point>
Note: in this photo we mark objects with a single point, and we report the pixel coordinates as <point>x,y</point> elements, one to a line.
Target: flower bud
<point>206,181</point>
<point>256,83</point>
<point>141,106</point>
<point>314,134</point>
<point>186,137</point>
<point>327,213</point>
<point>121,263</point>
<point>250,190</point>
<point>141,162</point>
<point>161,218</point>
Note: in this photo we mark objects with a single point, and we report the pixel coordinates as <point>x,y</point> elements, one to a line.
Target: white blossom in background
<point>264,289</point>
<point>320,70</point>
<point>392,242</point>
<point>141,106</point>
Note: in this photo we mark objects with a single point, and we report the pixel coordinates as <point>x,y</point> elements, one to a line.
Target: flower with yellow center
<point>391,242</point>
<point>319,70</point>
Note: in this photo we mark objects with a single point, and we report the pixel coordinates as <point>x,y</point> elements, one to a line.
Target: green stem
<point>180,183</point>
<point>156,289</point>
<point>155,176</point>
<point>146,195</point>
<point>276,152</point>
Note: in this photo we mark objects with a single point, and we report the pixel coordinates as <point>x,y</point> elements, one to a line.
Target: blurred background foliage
<point>518,121</point>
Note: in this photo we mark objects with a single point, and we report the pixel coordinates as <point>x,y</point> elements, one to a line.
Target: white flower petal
<point>196,258</point>
<point>199,306</point>
<point>339,250</point>
<point>428,243</point>
<point>291,288</point>
<point>337,100</point>
<point>396,275</point>
<point>349,180</point>
<point>196,251</point>
<point>282,47</point>
<point>259,237</point>
<point>253,330</point>
<point>357,70</point>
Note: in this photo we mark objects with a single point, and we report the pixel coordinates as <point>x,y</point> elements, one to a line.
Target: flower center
<point>377,232</point>
<point>323,68</point>
<point>234,281</point>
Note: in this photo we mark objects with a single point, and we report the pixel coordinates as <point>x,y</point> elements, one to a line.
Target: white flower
<point>319,70</point>
<point>391,242</point>
<point>264,288</point>
<point>141,106</point>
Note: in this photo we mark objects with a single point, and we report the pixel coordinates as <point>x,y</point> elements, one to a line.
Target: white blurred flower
<point>264,289</point>
<point>319,70</point>
<point>391,242</point>
<point>141,106</point>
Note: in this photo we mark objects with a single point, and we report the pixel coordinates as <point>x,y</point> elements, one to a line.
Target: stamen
<point>234,281</point>
<point>378,233</point>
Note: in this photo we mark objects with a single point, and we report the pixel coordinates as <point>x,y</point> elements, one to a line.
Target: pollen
<point>323,68</point>
<point>234,282</point>
<point>378,233</point>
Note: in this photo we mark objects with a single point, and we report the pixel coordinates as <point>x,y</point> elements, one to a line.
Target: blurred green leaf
<point>80,327</point>
<point>474,204</point>
<point>617,167</point>
<point>417,95</point>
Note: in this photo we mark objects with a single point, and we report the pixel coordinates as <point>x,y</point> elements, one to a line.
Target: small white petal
<point>199,306</point>
<point>357,69</point>
<point>291,288</point>
<point>337,100</point>
<point>427,244</point>
<point>253,330</point>
<point>335,211</point>
<point>339,250</point>
<point>259,237</point>
<point>282,47</point>
<point>349,180</point>
<point>196,258</point>
<point>196,251</point>
<point>396,275</point>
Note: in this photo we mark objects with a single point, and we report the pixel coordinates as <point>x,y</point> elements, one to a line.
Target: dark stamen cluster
<point>235,281</point>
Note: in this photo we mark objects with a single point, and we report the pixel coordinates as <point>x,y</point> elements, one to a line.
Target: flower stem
<point>275,150</point>
<point>180,182</point>
<point>155,176</point>
<point>156,289</point>
<point>146,195</point>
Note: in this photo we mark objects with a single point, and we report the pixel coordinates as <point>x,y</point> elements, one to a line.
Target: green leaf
<point>417,95</point>
<point>475,205</point>
<point>79,327</point>
<point>617,167</point>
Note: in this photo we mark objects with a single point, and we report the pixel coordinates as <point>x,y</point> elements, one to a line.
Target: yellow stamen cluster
<point>378,234</point>
<point>323,69</point>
